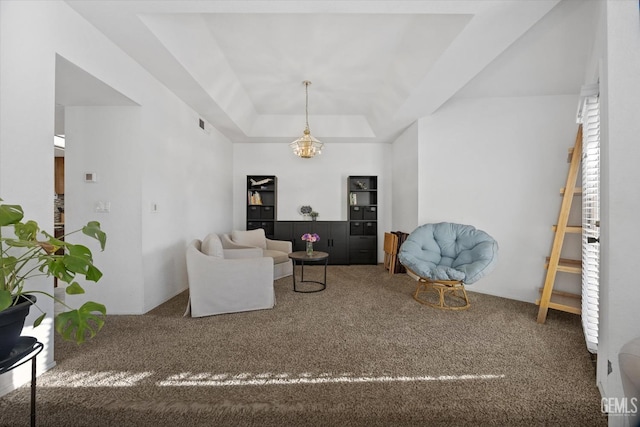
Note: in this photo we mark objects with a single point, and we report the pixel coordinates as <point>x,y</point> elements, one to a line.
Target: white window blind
<point>589,116</point>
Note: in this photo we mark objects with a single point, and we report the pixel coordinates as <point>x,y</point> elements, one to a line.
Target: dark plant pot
<point>12,322</point>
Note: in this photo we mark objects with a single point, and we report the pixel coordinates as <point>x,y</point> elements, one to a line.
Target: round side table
<point>301,258</point>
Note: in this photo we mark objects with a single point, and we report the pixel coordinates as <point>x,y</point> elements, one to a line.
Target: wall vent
<point>206,127</point>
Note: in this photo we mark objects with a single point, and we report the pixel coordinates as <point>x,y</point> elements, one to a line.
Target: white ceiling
<point>375,66</point>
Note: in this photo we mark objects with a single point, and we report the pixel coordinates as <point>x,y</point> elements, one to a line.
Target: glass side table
<point>27,348</point>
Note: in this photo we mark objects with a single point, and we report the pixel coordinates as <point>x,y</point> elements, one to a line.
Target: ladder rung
<point>577,191</point>
<point>570,228</point>
<point>567,265</point>
<point>564,301</point>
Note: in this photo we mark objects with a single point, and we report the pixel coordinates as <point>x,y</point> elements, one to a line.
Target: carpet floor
<point>360,353</point>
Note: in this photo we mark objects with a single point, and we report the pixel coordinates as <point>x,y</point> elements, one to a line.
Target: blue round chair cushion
<point>448,251</point>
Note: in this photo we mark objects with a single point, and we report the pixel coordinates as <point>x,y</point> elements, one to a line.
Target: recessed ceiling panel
<point>375,66</point>
<point>351,59</point>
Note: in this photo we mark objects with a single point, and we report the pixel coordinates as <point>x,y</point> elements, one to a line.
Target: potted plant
<point>29,252</point>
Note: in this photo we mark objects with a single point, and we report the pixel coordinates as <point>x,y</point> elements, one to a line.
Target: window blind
<point>589,116</point>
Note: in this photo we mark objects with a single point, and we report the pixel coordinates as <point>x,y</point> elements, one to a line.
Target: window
<point>589,116</point>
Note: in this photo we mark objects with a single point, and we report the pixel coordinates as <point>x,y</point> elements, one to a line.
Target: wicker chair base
<point>443,294</point>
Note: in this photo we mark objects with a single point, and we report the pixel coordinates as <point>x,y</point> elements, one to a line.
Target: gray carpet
<point>360,353</point>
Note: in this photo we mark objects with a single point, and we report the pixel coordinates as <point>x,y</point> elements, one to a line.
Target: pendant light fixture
<point>306,146</point>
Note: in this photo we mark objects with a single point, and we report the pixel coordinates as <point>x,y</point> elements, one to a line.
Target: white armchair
<point>227,280</point>
<point>278,250</point>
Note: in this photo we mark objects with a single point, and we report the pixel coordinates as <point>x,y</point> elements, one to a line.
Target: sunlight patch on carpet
<point>94,379</point>
<point>208,379</point>
<point>205,379</point>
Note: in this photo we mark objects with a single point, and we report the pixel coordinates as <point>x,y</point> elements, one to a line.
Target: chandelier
<point>306,146</point>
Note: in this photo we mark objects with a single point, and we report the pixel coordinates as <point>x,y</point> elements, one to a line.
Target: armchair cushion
<point>255,238</point>
<point>212,246</point>
<point>277,250</point>
<point>278,256</point>
<point>242,253</point>
<point>447,251</point>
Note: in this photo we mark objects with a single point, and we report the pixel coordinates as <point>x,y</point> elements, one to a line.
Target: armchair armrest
<point>280,245</point>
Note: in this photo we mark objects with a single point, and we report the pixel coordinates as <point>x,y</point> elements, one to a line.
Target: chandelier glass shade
<point>306,146</point>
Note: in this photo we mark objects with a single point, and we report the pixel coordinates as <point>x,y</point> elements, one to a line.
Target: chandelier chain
<point>306,104</point>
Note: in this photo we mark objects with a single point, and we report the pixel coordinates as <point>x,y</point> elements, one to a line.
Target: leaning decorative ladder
<point>559,300</point>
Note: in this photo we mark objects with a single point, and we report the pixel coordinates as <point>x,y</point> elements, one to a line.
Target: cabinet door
<point>362,250</point>
<point>333,240</point>
<point>322,229</point>
<point>283,230</point>
<point>339,243</point>
<point>300,228</point>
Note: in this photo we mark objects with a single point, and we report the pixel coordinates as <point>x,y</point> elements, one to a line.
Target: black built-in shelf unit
<point>363,219</point>
<point>262,201</point>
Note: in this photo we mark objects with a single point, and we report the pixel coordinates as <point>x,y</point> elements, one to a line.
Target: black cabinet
<point>333,237</point>
<point>363,219</point>
<point>362,250</point>
<point>261,203</point>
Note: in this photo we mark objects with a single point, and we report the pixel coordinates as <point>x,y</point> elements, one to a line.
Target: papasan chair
<point>445,257</point>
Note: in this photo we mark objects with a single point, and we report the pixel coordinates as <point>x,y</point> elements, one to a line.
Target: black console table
<point>27,348</point>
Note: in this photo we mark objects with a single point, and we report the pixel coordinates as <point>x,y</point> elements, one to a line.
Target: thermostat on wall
<point>90,177</point>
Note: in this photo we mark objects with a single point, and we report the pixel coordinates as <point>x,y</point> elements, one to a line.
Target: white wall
<point>158,155</point>
<point>405,189</point>
<point>320,182</point>
<point>188,175</point>
<point>620,186</point>
<point>26,151</point>
<point>498,164</point>
<point>143,156</point>
<point>97,139</point>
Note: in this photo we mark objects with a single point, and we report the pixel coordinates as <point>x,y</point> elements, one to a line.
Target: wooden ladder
<point>558,300</point>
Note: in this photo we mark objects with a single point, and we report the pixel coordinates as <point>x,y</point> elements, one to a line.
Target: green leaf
<point>16,243</point>
<point>27,231</point>
<point>92,229</point>
<point>74,289</point>
<point>81,324</point>
<point>5,299</point>
<point>57,268</point>
<point>93,273</point>
<point>39,320</point>
<point>10,214</point>
<point>78,259</point>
